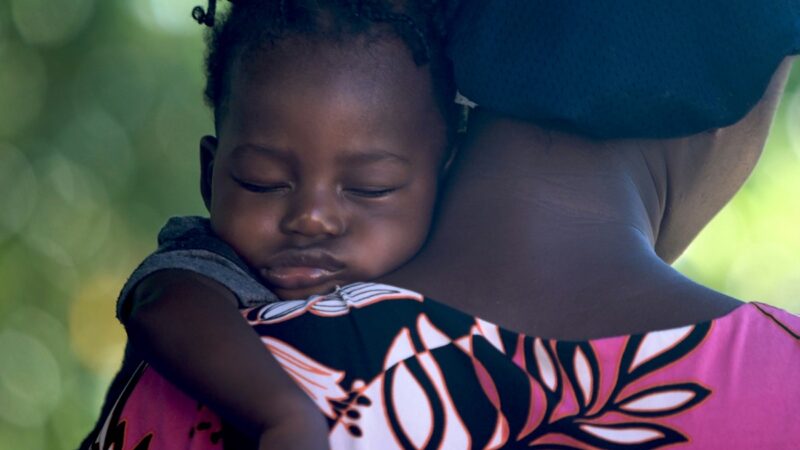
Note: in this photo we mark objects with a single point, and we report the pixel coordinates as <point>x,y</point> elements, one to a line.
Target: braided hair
<point>249,24</point>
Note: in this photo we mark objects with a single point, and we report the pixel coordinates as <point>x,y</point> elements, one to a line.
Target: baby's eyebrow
<point>275,153</point>
<point>372,156</point>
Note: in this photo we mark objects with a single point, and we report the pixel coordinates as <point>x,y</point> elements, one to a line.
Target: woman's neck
<point>542,231</point>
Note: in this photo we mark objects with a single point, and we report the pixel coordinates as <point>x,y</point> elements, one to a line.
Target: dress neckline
<point>364,292</point>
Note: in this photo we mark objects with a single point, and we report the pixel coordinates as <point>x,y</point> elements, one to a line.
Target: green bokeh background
<point>100,115</point>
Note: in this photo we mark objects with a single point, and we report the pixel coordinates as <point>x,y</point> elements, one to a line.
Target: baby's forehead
<point>383,57</point>
<point>373,92</point>
<point>332,156</point>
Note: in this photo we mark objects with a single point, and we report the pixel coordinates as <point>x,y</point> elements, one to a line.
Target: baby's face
<point>327,163</point>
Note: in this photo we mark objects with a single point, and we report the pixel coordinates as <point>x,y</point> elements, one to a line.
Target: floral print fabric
<point>391,369</point>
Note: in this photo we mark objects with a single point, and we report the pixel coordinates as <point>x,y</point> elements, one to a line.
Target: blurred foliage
<point>751,250</point>
<point>100,115</point>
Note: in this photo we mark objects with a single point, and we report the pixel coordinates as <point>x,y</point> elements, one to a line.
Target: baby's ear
<point>208,150</point>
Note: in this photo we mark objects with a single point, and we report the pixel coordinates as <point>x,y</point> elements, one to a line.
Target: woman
<point>559,226</point>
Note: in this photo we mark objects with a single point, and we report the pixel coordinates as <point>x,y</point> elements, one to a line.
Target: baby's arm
<point>188,327</point>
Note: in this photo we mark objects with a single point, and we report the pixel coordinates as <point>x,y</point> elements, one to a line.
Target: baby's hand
<point>189,328</point>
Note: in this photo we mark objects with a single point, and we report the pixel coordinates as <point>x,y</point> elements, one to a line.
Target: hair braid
<point>207,16</point>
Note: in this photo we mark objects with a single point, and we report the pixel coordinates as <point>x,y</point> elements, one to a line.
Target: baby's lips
<point>297,277</point>
<point>305,258</point>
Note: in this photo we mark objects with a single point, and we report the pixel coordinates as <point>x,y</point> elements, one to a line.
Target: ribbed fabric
<point>188,243</point>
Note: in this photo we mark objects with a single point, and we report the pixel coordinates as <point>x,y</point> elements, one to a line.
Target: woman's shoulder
<point>754,340</point>
<point>784,320</point>
<point>755,326</point>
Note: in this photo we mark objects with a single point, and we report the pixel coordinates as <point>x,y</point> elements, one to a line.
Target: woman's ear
<point>208,151</point>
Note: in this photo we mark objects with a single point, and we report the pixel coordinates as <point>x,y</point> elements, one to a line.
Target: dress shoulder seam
<point>774,319</point>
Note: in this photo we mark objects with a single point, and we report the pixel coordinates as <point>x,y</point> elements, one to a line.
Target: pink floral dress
<point>391,369</point>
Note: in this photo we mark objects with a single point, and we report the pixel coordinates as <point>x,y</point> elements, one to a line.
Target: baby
<point>334,122</point>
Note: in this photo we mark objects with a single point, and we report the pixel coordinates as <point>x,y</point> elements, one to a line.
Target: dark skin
<point>324,172</point>
<point>572,238</point>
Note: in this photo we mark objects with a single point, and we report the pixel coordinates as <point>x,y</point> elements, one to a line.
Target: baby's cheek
<point>383,250</point>
<point>392,235</point>
<point>407,240</point>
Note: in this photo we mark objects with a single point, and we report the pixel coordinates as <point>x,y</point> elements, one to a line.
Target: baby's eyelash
<point>258,188</point>
<point>372,193</point>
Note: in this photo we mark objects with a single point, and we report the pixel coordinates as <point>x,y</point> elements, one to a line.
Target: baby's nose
<point>314,214</point>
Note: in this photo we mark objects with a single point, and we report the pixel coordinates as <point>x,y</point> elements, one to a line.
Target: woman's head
<point>332,133</point>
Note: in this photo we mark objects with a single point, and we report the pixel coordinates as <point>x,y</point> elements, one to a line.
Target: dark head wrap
<point>621,68</point>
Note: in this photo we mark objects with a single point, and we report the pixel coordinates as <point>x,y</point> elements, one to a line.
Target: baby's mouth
<point>301,269</point>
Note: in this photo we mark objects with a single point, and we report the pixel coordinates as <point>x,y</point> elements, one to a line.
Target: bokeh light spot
<point>23,80</point>
<point>97,339</point>
<point>50,22</point>
<point>5,24</point>
<point>73,220</point>
<point>180,123</point>
<point>711,254</point>
<point>792,120</point>
<point>44,327</point>
<point>19,186</point>
<point>30,381</point>
<point>94,139</point>
<point>125,89</point>
<point>13,437</point>
<point>171,17</point>
<point>749,250</point>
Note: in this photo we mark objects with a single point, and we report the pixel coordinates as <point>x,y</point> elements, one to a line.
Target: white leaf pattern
<point>658,342</point>
<point>584,375</point>
<point>659,401</point>
<point>431,336</point>
<point>337,303</point>
<point>465,344</point>
<point>631,435</point>
<point>456,434</point>
<point>401,348</point>
<point>546,368</point>
<point>320,382</point>
<point>412,407</point>
<point>492,334</point>
<point>500,435</point>
<point>279,311</point>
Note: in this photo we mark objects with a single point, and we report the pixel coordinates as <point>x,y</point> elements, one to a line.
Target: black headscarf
<point>621,68</point>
